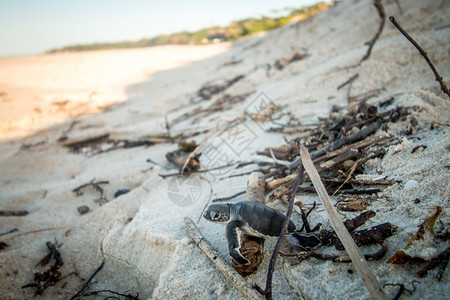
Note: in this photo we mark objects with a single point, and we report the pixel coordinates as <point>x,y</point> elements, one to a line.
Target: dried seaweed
<point>181,159</point>
<point>43,280</point>
<point>79,191</point>
<point>426,231</point>
<point>280,64</point>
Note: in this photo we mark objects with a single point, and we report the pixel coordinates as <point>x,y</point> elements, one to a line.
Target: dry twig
<point>268,290</point>
<point>371,43</point>
<point>444,88</point>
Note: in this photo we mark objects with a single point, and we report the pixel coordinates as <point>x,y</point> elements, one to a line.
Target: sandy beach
<point>134,106</point>
<point>39,91</point>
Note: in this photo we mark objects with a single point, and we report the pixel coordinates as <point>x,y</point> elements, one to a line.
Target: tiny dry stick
<point>233,277</point>
<point>13,213</point>
<point>444,88</point>
<point>361,265</point>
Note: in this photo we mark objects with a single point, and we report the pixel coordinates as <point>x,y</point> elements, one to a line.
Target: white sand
<point>141,234</point>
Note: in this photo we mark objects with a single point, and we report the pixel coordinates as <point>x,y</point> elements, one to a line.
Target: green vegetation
<point>209,35</point>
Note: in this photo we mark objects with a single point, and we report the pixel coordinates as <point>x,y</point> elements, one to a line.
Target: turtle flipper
<point>303,240</point>
<point>234,244</point>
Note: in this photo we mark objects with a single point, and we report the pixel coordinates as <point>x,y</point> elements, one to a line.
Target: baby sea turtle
<point>254,219</point>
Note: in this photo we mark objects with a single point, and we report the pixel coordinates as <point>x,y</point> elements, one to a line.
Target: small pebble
<point>120,192</point>
<point>410,184</point>
<point>83,209</point>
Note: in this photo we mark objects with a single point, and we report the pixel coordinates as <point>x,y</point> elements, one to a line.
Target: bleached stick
<point>255,188</point>
<point>252,248</point>
<point>236,280</point>
<point>361,265</point>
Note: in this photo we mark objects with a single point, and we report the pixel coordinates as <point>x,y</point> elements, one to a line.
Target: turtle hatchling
<point>254,219</point>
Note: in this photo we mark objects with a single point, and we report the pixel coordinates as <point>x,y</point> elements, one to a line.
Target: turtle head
<point>218,213</point>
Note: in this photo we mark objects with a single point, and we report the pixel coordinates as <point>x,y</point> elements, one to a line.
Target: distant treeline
<point>208,35</point>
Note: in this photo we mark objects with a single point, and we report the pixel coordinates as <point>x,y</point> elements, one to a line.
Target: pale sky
<point>35,26</point>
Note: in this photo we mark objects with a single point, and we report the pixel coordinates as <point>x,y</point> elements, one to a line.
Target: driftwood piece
<point>359,220</point>
<point>358,145</point>
<point>351,153</point>
<point>252,247</point>
<point>329,237</point>
<point>360,263</point>
<point>230,274</point>
<point>353,203</point>
<point>255,188</point>
<point>338,159</point>
<point>359,135</point>
<point>373,235</point>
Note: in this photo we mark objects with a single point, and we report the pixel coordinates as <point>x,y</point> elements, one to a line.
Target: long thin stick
<point>236,280</point>
<point>32,231</point>
<point>268,290</point>
<point>444,88</point>
<point>361,265</point>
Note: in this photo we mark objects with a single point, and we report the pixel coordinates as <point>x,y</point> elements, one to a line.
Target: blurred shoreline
<point>42,90</point>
